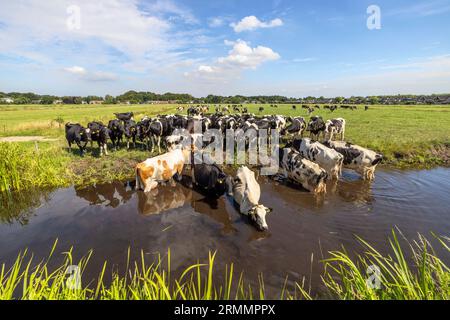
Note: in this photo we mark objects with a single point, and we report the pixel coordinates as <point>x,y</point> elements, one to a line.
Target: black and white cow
<point>246,192</point>
<point>116,131</point>
<point>99,133</point>
<point>303,171</point>
<point>333,128</point>
<point>124,116</point>
<point>296,128</point>
<point>362,160</point>
<point>327,158</point>
<point>131,132</point>
<point>316,126</point>
<point>75,133</point>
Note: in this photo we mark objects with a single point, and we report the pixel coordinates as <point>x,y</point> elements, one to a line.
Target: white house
<point>7,100</point>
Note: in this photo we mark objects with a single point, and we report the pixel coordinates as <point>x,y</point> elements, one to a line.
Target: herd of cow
<point>305,161</point>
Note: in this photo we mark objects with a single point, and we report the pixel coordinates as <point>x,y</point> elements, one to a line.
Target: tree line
<point>134,97</point>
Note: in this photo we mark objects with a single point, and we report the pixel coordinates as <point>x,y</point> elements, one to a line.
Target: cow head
<point>258,216</point>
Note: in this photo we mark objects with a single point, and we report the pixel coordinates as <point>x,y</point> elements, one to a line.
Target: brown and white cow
<point>333,128</point>
<point>160,169</point>
<point>362,160</point>
<point>325,157</point>
<point>303,171</point>
<point>246,192</point>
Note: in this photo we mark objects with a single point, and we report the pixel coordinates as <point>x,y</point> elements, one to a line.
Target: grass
<point>423,276</point>
<point>408,136</point>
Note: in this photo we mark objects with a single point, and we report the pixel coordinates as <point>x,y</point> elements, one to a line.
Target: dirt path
<point>26,139</point>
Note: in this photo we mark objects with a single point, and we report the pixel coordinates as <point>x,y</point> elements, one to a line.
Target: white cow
<point>246,193</point>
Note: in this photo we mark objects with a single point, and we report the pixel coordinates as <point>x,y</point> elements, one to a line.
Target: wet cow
<point>246,192</point>
<point>162,168</point>
<point>362,160</point>
<point>325,157</point>
<point>302,171</point>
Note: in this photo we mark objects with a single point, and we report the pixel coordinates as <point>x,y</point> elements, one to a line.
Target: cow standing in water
<point>325,157</point>
<point>162,168</point>
<point>362,160</point>
<point>302,171</point>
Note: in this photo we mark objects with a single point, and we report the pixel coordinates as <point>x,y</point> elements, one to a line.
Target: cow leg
<point>101,149</point>
<point>69,149</point>
<point>128,143</point>
<point>106,148</point>
<point>159,144</point>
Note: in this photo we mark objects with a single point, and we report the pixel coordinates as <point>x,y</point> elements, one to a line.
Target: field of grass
<point>408,136</point>
<point>424,276</point>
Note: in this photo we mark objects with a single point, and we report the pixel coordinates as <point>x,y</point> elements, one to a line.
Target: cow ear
<point>269,210</point>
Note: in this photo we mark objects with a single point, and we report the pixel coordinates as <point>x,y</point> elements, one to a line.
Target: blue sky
<point>293,48</point>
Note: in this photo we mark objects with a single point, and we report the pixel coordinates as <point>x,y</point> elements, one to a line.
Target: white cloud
<point>252,23</point>
<point>206,69</point>
<point>241,57</point>
<point>76,70</point>
<point>301,60</point>
<point>216,22</point>
<point>244,56</point>
<point>83,74</point>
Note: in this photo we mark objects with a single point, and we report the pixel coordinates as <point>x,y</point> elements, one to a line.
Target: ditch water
<point>110,218</point>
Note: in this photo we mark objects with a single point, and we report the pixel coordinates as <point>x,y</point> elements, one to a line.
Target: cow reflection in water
<point>166,198</point>
<point>109,195</point>
<point>162,199</point>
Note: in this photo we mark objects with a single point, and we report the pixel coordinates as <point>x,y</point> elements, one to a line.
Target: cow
<point>161,168</point>
<point>362,160</point>
<point>296,128</point>
<point>124,116</point>
<point>246,193</point>
<point>116,131</point>
<point>261,109</point>
<point>316,126</point>
<point>366,108</point>
<point>100,134</point>
<point>131,132</point>
<point>325,157</point>
<point>210,179</point>
<point>294,107</point>
<point>334,127</point>
<point>180,109</point>
<point>75,133</point>
<point>303,171</point>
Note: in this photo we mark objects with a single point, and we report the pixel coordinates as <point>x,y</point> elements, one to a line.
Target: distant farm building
<point>7,100</point>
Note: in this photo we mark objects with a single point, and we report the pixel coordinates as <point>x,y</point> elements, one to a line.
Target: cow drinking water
<point>246,193</point>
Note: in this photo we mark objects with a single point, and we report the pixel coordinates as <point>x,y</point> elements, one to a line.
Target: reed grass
<point>422,276</point>
<point>413,274</point>
<point>22,167</point>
